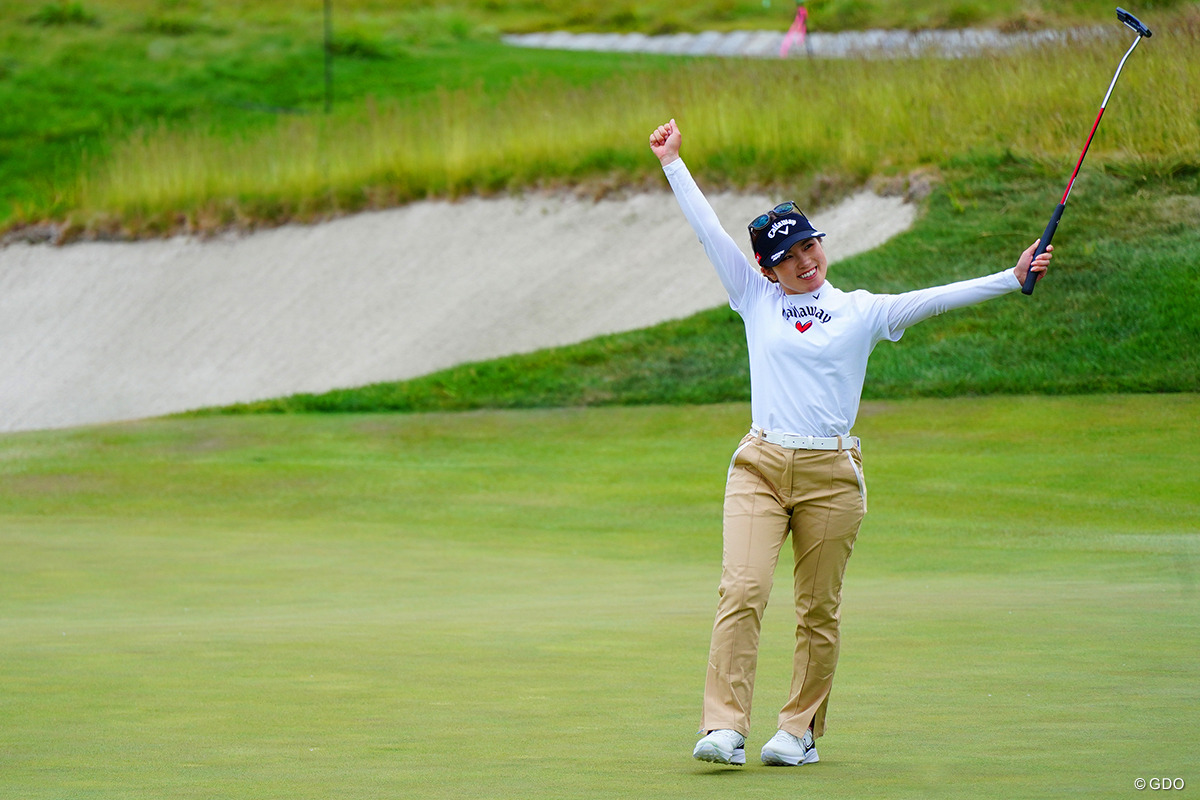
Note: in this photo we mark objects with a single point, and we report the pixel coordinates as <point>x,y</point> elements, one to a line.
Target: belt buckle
<point>795,441</point>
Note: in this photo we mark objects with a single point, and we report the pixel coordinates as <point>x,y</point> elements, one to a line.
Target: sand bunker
<point>101,332</point>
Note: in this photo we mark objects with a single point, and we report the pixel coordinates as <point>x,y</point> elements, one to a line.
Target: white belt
<point>793,441</point>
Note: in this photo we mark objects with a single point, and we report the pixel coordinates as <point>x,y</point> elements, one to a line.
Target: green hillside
<point>144,118</point>
<point>1117,314</point>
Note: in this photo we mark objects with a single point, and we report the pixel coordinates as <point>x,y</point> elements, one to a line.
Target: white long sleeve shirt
<point>808,352</point>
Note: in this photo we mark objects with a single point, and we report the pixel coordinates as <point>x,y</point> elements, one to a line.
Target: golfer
<point>798,470</point>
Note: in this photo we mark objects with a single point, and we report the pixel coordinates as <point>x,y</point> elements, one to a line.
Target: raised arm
<point>908,309</point>
<point>733,268</point>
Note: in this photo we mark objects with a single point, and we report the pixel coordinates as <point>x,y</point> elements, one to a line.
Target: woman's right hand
<point>665,141</point>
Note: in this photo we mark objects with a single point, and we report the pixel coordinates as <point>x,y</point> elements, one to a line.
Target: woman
<point>798,470</point>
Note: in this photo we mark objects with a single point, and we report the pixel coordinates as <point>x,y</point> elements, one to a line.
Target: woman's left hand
<point>1039,265</point>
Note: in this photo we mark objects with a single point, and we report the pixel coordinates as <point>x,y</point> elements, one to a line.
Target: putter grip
<point>1047,237</point>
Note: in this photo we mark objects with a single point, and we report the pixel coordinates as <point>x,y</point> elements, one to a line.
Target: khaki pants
<point>820,497</point>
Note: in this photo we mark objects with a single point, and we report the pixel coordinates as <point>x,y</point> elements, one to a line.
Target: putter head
<point>1133,23</point>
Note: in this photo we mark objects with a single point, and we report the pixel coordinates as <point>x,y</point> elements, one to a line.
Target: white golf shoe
<point>786,750</point>
<point>722,747</point>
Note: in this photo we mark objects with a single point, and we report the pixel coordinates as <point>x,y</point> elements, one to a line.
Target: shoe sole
<point>773,759</point>
<point>706,752</point>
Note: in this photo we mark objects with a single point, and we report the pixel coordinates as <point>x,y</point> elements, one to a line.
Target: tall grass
<point>745,122</point>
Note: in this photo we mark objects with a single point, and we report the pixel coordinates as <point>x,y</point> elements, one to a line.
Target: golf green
<point>517,605</point>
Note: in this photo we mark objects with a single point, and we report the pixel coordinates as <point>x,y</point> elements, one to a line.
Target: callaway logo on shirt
<point>791,312</point>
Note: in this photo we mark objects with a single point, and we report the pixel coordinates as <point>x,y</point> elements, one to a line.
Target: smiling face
<point>802,269</point>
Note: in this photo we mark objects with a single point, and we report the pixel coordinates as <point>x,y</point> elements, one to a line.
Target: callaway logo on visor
<point>781,225</point>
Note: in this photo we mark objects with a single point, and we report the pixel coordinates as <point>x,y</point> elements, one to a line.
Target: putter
<point>1141,30</point>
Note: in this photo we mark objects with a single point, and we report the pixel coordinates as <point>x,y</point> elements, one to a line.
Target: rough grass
<point>889,117</point>
<point>184,116</point>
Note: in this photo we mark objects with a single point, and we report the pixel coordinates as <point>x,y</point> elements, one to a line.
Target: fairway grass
<point>517,605</point>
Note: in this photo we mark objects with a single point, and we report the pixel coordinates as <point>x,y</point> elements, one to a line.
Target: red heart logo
<point>803,326</point>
